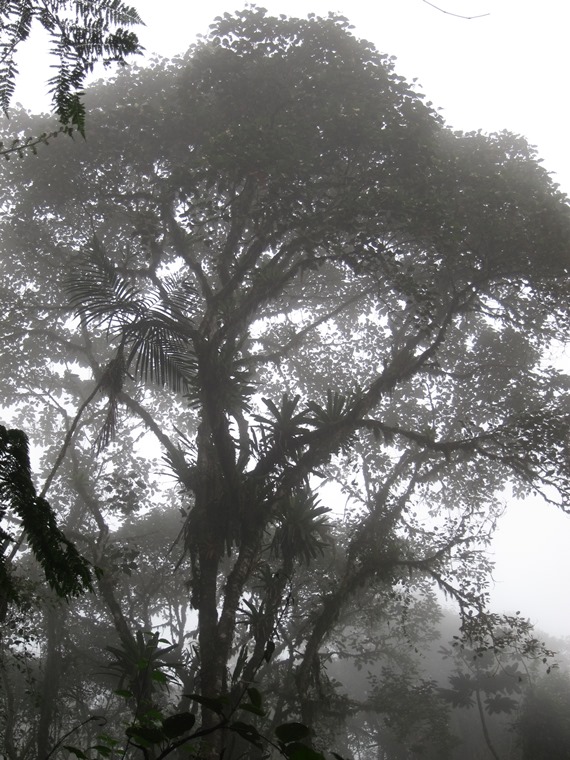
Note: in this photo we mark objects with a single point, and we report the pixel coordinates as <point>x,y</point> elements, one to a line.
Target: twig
<point>68,438</point>
<point>20,145</point>
<point>457,15</point>
<point>98,718</point>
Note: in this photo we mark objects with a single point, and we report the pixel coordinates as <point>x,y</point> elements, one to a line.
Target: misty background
<point>420,467</point>
<point>508,70</point>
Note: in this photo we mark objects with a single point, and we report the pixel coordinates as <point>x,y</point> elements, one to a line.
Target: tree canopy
<point>275,258</point>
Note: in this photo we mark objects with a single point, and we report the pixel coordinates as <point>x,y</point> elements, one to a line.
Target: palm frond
<point>182,295</point>
<point>154,327</point>
<point>98,293</point>
<point>160,353</point>
<point>112,384</point>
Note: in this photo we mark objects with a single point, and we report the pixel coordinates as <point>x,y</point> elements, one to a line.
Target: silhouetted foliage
<point>65,570</point>
<point>543,723</point>
<point>81,35</point>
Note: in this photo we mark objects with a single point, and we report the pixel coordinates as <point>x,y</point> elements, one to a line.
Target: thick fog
<point>288,340</point>
<point>504,69</point>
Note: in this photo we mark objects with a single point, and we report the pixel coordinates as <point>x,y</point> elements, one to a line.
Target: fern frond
<point>67,572</point>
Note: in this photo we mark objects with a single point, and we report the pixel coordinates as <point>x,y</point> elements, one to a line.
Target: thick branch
<point>426,441</point>
<point>294,342</point>
<point>240,207</point>
<point>177,236</point>
<point>321,443</point>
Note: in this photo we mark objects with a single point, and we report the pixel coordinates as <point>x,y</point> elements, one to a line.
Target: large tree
<point>275,256</point>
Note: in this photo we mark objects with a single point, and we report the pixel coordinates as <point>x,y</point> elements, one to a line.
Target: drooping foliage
<point>81,34</point>
<point>274,258</point>
<point>66,571</point>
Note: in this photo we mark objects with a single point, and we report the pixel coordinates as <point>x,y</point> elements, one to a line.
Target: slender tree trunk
<point>10,712</point>
<point>486,734</point>
<point>211,675</point>
<point>332,606</point>
<point>51,680</point>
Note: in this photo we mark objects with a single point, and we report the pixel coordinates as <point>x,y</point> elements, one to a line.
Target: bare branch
<point>456,15</point>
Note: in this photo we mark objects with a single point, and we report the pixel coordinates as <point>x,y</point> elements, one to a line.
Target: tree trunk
<point>54,619</point>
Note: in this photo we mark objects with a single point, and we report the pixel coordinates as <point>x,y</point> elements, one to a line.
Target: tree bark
<point>54,619</point>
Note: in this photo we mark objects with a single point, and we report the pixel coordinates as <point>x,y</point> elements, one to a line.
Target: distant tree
<point>276,257</point>
<point>82,34</point>
<point>487,685</point>
<point>543,723</point>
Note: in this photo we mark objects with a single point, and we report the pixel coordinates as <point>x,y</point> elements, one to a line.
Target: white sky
<point>507,70</point>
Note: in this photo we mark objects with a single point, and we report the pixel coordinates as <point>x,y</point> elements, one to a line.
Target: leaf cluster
<point>66,571</point>
<point>81,33</point>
